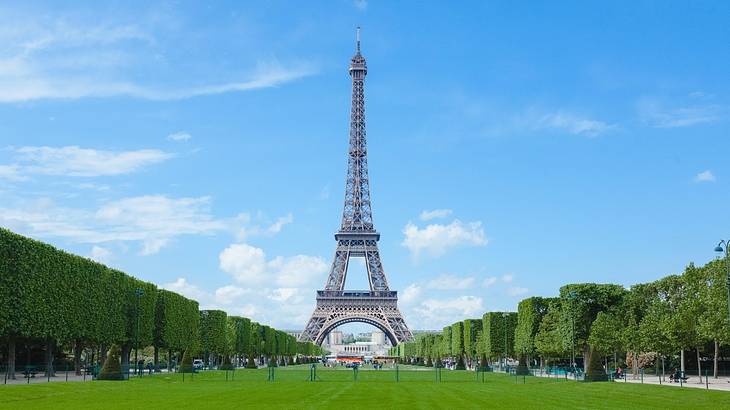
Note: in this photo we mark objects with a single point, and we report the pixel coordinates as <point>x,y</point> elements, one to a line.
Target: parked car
<point>197,364</point>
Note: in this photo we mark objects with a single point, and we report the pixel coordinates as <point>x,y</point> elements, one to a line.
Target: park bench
<point>682,377</point>
<point>29,373</point>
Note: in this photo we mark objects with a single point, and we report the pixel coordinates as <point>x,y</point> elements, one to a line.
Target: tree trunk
<point>11,358</point>
<point>102,353</point>
<point>49,358</point>
<point>681,360</point>
<point>717,353</point>
<point>77,357</point>
<point>586,352</point>
<point>169,360</point>
<point>699,365</point>
<point>635,365</point>
<point>157,358</point>
<point>126,351</point>
<point>663,371</point>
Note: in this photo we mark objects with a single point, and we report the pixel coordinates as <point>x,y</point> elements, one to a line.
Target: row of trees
<point>67,302</point>
<point>470,342</point>
<point>228,340</point>
<point>643,325</point>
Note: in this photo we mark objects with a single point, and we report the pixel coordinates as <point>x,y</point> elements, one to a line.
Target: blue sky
<point>513,148</point>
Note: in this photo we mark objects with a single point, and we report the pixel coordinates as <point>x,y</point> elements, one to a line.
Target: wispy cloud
<point>434,214</point>
<point>451,282</point>
<point>705,176</point>
<point>153,221</point>
<point>58,57</point>
<point>83,162</point>
<point>179,136</point>
<point>517,291</point>
<point>361,5</point>
<point>573,124</point>
<point>660,114</point>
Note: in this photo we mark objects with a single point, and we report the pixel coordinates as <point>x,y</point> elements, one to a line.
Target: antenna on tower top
<point>358,39</point>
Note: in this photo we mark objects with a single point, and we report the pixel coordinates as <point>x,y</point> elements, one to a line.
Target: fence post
<point>642,375</point>
<point>397,373</point>
<point>707,381</point>
<point>66,371</point>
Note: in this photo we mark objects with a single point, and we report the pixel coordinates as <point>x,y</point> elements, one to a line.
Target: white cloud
<point>68,57</point>
<point>11,173</point>
<point>280,223</point>
<point>183,287</point>
<point>573,124</point>
<point>410,294</point>
<point>152,220</point>
<point>228,294</point>
<point>283,294</point>
<point>436,213</point>
<point>84,162</point>
<point>361,5</point>
<point>451,282</point>
<point>436,239</point>
<point>101,255</point>
<point>516,291</point>
<point>489,281</point>
<point>248,265</point>
<point>507,278</point>
<point>436,313</point>
<point>655,113</point>
<point>179,136</point>
<point>705,176</point>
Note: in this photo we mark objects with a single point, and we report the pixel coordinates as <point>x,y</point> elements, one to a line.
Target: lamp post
<point>719,249</point>
<point>505,315</point>
<point>138,292</point>
<point>572,296</point>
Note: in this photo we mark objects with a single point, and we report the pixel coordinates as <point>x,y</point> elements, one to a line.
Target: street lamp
<point>505,315</point>
<point>719,249</point>
<point>138,292</point>
<point>572,296</point>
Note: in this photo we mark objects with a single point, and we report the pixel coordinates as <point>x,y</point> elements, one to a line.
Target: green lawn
<point>337,389</point>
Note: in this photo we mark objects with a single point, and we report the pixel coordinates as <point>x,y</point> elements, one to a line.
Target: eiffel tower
<point>357,237</point>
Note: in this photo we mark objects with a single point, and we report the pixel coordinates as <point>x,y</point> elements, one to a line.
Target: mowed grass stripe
<point>337,390</point>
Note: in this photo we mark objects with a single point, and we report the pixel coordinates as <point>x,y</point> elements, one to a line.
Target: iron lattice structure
<point>357,237</point>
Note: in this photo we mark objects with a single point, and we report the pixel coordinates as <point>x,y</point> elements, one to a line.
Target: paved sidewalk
<point>721,383</point>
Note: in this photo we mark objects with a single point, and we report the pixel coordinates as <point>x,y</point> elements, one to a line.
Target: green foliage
<point>530,312</point>
<point>213,331</point>
<point>177,321</point>
<point>580,306</point>
<point>472,333</point>
<point>457,339</point>
<point>112,369</point>
<point>499,333</point>
<point>548,341</point>
<point>446,343</point>
<point>605,334</point>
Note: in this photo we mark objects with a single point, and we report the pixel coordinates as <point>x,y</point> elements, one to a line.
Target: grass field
<point>337,389</point>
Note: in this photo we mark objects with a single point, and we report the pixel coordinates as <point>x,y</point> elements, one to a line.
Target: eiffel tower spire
<point>357,238</point>
<point>357,214</point>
